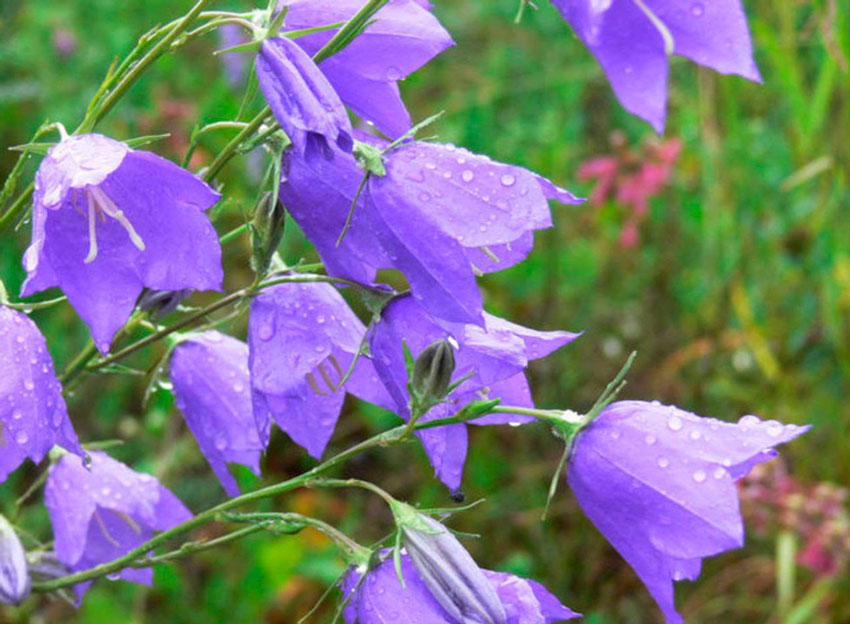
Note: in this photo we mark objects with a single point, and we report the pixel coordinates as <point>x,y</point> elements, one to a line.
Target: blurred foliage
<point>737,296</point>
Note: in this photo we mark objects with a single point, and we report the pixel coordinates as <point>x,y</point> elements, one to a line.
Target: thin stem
<point>350,483</point>
<point>234,233</point>
<point>147,340</point>
<point>218,125</point>
<point>190,548</point>
<point>160,48</point>
<point>229,150</point>
<point>36,305</point>
<point>12,213</point>
<point>391,436</point>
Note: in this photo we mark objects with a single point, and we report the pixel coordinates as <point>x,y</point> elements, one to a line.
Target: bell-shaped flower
<point>380,597</point>
<point>632,40</point>
<point>659,483</point>
<point>209,374</point>
<point>303,338</point>
<point>301,98</point>
<point>108,221</point>
<point>102,511</point>
<point>401,38</point>
<point>494,355</point>
<point>14,571</point>
<point>439,215</point>
<point>33,415</point>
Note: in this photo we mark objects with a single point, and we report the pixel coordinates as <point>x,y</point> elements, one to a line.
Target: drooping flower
<point>380,598</point>
<point>632,39</point>
<point>33,415</point>
<point>439,215</point>
<point>496,355</point>
<point>109,220</point>
<point>302,339</point>
<point>659,483</point>
<point>14,571</point>
<point>209,373</point>
<point>403,37</point>
<point>102,511</point>
<point>303,101</point>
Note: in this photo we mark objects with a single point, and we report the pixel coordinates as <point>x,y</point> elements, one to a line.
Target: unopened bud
<point>448,570</point>
<point>161,303</point>
<point>45,566</point>
<point>266,231</point>
<point>14,574</point>
<point>432,371</point>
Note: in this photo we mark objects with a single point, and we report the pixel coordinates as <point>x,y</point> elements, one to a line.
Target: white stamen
<point>103,529</point>
<point>489,253</point>
<point>92,232</point>
<point>662,29</point>
<point>109,207</point>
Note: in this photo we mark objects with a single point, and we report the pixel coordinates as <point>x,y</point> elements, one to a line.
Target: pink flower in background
<point>773,500</point>
<point>631,177</point>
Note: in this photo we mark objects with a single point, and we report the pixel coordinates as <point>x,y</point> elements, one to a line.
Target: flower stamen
<point>99,203</point>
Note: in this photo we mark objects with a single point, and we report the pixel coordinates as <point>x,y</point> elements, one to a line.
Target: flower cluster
<point>109,222</point>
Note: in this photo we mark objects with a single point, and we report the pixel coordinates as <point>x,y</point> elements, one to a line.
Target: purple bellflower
<point>33,415</point>
<point>302,99</point>
<point>209,373</point>
<point>109,220</point>
<point>303,338</point>
<point>103,511</point>
<point>497,354</point>
<point>659,483</point>
<point>440,215</point>
<point>14,571</point>
<point>632,39</point>
<point>403,37</point>
<point>380,598</point>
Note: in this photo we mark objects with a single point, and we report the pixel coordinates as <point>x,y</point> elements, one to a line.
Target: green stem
<point>383,439</point>
<point>190,548</point>
<point>160,48</point>
<point>229,150</point>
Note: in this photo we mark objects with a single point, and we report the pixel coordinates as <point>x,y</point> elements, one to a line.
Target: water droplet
<point>650,440</point>
<point>663,462</point>
<point>719,472</point>
<point>467,175</point>
<point>695,434</point>
<point>22,437</point>
<point>239,386</point>
<point>700,476</point>
<point>430,165</point>
<point>424,197</point>
<point>393,73</point>
<point>508,180</point>
<point>17,414</point>
<point>697,9</point>
<point>675,423</point>
<point>748,420</point>
<point>105,491</point>
<point>28,384</point>
<point>220,442</point>
<point>265,332</point>
<point>614,433</point>
<point>774,428</point>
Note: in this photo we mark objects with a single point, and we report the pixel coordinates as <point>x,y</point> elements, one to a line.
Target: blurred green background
<point>736,295</point>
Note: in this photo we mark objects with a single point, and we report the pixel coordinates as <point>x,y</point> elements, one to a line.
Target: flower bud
<point>161,303</point>
<point>432,371</point>
<point>45,566</point>
<point>14,575</point>
<point>266,231</point>
<point>448,571</point>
